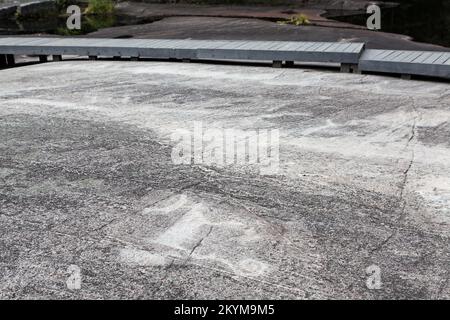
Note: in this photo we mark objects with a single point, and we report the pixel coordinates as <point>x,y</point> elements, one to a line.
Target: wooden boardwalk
<point>350,56</point>
<point>407,63</point>
<point>341,53</point>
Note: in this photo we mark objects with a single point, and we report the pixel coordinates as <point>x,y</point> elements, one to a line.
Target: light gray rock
<point>87,179</point>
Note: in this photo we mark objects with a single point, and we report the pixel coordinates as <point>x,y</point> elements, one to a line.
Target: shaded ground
<point>255,29</point>
<point>87,179</point>
<point>155,20</point>
<point>155,11</point>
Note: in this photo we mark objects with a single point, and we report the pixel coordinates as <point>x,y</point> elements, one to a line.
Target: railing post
<point>405,76</point>
<point>345,67</point>
<point>277,63</point>
<point>349,68</point>
<point>10,61</point>
<point>3,62</point>
<point>289,63</point>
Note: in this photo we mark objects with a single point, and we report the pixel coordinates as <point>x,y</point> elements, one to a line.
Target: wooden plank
<point>256,46</point>
<point>349,48</point>
<point>303,46</point>
<point>409,56</point>
<point>413,56</point>
<point>289,46</point>
<point>324,46</point>
<point>441,60</point>
<point>232,45</point>
<point>401,56</point>
<point>372,54</point>
<point>433,57</point>
<point>384,55</point>
<point>422,57</point>
<point>8,41</point>
<point>260,45</point>
<point>333,47</point>
<point>315,46</point>
<point>358,47</point>
<point>342,46</point>
<point>277,46</point>
<point>394,55</point>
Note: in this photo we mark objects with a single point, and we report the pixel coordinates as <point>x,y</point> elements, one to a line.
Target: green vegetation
<point>297,20</point>
<point>89,24</point>
<point>63,4</point>
<point>100,7</point>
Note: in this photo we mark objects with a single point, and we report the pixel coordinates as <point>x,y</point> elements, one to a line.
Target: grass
<point>63,4</point>
<point>297,20</point>
<point>100,7</point>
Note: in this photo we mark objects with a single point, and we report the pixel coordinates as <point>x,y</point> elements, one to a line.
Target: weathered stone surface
<point>87,179</point>
<point>255,29</point>
<point>37,8</point>
<point>8,11</point>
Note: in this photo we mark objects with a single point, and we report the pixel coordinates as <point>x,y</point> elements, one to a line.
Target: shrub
<point>297,20</point>
<point>100,7</point>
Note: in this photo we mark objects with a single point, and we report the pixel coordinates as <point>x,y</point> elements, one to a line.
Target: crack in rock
<point>198,244</point>
<point>411,137</point>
